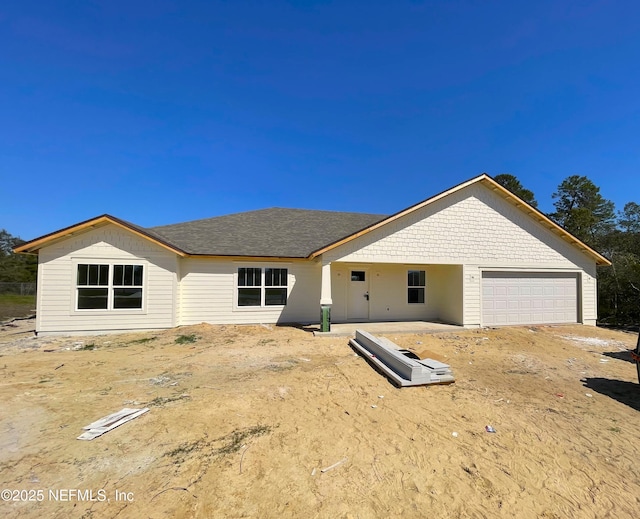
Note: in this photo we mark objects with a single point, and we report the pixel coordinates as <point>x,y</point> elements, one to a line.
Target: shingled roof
<point>274,232</point>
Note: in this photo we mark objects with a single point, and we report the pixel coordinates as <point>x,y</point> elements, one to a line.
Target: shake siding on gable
<point>208,293</point>
<point>57,282</point>
<point>470,226</point>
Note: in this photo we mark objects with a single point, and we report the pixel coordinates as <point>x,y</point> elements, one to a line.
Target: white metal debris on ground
<point>109,422</point>
<point>337,464</point>
<point>385,356</point>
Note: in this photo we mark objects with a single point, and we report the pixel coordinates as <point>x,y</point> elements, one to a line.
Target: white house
<point>475,255</point>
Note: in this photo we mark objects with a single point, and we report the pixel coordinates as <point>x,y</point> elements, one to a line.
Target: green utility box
<point>325,318</point>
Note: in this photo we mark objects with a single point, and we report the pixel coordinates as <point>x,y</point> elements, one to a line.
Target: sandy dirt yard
<point>243,419</point>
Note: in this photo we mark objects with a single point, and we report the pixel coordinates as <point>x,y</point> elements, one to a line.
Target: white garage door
<point>529,298</point>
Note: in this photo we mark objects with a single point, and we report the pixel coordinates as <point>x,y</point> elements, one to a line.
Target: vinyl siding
<point>589,294</point>
<point>208,293</point>
<point>446,282</point>
<point>472,307</point>
<point>57,272</point>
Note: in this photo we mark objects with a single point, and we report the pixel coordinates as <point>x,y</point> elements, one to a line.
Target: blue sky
<point>166,111</point>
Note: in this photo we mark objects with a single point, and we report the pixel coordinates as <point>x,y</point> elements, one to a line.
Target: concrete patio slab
<point>349,329</point>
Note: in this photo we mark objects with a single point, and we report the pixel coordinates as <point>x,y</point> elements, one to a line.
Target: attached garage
<point>529,298</point>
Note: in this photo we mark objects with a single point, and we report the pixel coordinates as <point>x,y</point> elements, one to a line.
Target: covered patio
<point>407,296</point>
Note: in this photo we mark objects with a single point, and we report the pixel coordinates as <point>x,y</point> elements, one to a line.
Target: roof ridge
<point>210,218</point>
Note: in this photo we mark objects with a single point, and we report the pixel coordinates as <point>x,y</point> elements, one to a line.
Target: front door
<point>358,308</point>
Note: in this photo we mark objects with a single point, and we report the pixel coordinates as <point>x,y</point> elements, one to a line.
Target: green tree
<point>15,268</point>
<point>582,210</point>
<point>619,284</point>
<point>511,183</point>
<point>7,243</point>
<point>629,218</point>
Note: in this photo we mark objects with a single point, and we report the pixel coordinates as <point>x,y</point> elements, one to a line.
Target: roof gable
<point>99,221</point>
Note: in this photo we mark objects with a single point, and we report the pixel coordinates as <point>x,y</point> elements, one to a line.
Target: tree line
<point>579,208</point>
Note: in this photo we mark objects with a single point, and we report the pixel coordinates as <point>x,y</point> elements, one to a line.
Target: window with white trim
<point>249,286</point>
<point>109,287</point>
<point>275,286</point>
<point>416,282</point>
<point>262,287</point>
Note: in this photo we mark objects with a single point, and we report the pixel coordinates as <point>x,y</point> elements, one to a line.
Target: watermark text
<point>65,495</point>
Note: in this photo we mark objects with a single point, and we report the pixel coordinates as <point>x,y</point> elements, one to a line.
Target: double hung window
<point>109,287</point>
<point>415,286</point>
<point>262,287</point>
